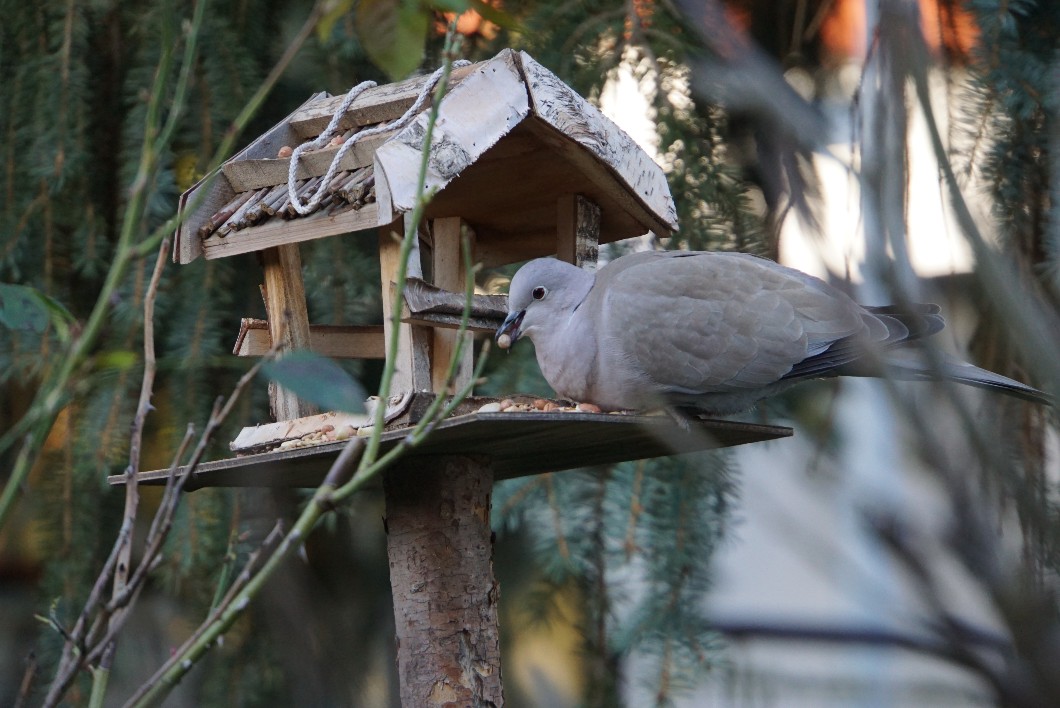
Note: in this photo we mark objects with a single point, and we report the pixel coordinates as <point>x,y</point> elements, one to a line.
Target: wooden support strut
<point>288,319</point>
<point>449,274</point>
<point>412,369</point>
<point>578,231</point>
<point>441,575</point>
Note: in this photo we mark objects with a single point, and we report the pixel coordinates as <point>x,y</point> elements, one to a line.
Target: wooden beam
<point>449,274</point>
<point>412,368</point>
<point>288,319</point>
<point>441,577</point>
<point>578,231</point>
<point>432,306</point>
<point>374,105</point>
<point>335,341</point>
<point>245,175</point>
<point>277,231</point>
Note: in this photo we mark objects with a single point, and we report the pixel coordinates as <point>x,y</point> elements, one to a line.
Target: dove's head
<point>543,294</point>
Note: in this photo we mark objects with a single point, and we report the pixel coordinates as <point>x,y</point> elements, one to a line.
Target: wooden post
<point>440,549</point>
<point>449,273</point>
<point>577,231</point>
<point>288,319</point>
<point>413,368</point>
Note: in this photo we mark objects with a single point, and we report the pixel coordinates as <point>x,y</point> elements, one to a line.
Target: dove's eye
<point>539,292</point>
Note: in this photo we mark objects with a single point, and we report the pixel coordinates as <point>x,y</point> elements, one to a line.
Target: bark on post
<point>441,575</point>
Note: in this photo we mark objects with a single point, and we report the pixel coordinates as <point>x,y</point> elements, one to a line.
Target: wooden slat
<point>336,341</point>
<point>374,105</point>
<point>267,172</point>
<point>449,274</point>
<point>518,443</point>
<point>275,231</point>
<point>578,231</point>
<point>412,368</point>
<point>288,320</point>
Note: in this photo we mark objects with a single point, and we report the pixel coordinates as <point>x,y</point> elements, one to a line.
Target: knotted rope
<point>325,137</point>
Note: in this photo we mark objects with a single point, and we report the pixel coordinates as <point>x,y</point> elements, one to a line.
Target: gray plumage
<point>713,332</point>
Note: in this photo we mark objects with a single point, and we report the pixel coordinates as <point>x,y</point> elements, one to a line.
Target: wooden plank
<point>374,105</point>
<point>276,232</point>
<point>244,175</point>
<point>519,444</point>
<point>477,113</point>
<point>196,209</point>
<point>412,368</point>
<point>449,274</point>
<point>578,231</point>
<point>335,341</point>
<point>288,319</point>
<point>429,305</point>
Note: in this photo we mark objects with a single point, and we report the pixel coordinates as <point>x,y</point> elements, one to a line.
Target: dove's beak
<point>509,331</point>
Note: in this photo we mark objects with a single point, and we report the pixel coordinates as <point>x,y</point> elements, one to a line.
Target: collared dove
<point>711,332</point>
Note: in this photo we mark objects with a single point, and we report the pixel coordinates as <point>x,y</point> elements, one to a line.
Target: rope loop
<point>333,125</point>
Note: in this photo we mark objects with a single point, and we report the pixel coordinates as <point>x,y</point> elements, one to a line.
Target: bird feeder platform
<point>520,166</point>
<point>518,444</point>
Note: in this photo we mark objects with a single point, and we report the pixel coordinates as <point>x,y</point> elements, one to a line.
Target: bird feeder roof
<point>510,140</point>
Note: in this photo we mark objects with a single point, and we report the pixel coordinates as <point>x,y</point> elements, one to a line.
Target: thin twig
<point>27,680</point>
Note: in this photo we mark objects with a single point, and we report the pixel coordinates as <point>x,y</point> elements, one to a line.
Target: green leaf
<point>118,359</point>
<point>393,33</point>
<point>23,308</point>
<point>318,380</point>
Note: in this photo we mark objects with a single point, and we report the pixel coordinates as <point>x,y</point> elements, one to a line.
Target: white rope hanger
<point>325,137</point>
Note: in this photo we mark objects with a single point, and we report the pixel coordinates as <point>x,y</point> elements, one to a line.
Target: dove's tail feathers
<point>953,369</point>
<point>919,319</point>
<point>889,327</point>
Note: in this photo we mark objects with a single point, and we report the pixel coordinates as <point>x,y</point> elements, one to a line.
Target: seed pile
<point>509,406</point>
<point>326,434</point>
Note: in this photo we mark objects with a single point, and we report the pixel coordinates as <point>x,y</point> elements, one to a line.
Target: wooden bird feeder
<point>528,168</point>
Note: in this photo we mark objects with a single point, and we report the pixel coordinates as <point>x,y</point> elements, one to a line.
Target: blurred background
<point>901,549</point>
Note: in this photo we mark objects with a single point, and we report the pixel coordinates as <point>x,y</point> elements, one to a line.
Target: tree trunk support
<point>440,548</point>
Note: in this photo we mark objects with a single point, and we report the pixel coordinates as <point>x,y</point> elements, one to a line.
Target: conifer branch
<point>54,392</point>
